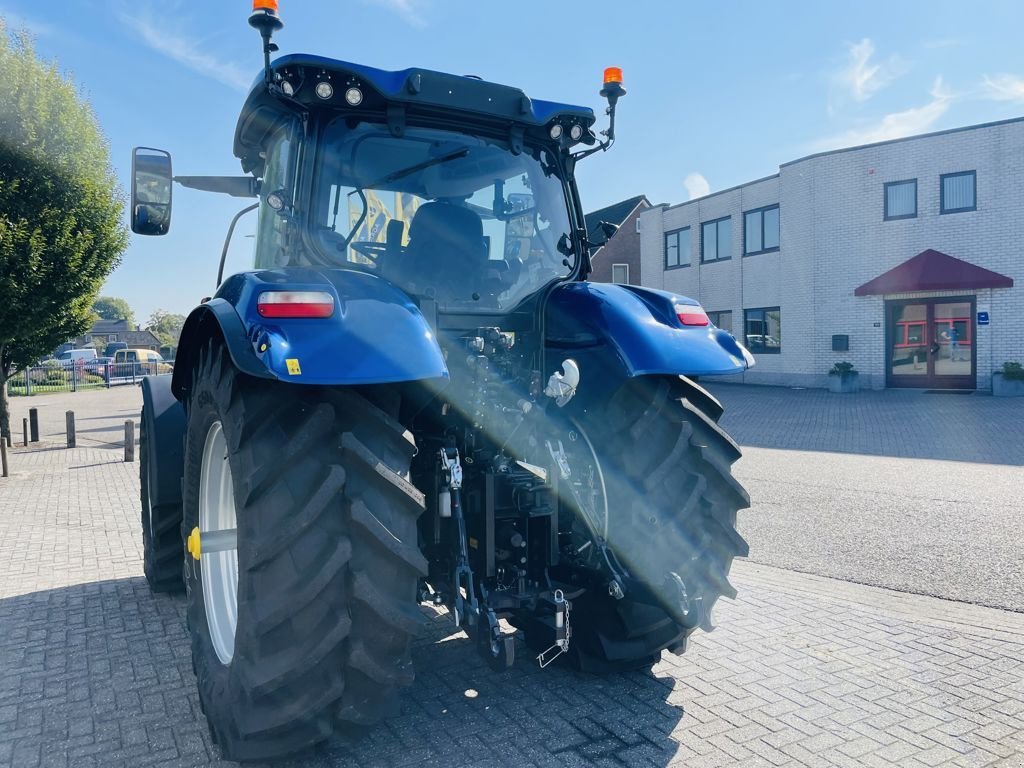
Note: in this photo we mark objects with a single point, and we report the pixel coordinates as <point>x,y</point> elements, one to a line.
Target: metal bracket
<point>563,632</point>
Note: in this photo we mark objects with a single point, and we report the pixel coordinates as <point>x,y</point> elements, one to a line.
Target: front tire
<point>673,504</point>
<point>326,560</point>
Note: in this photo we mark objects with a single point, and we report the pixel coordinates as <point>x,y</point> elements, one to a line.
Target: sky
<point>719,93</point>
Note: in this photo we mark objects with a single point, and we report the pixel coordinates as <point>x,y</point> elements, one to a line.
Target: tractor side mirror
<point>606,231</point>
<point>151,191</point>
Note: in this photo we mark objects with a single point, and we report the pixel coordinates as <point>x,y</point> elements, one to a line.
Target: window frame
<point>885,200</point>
<point>621,264</point>
<point>746,320</point>
<point>716,222</point>
<point>943,210</point>
<point>678,232</point>
<point>761,211</point>
<point>714,316</point>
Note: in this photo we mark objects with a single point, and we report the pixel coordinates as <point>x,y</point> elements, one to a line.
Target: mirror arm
<point>236,186</point>
<point>227,240</point>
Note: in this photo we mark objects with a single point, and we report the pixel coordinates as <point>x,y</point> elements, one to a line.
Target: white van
<point>74,357</point>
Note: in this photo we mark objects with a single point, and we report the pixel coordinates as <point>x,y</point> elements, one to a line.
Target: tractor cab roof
<point>409,96</point>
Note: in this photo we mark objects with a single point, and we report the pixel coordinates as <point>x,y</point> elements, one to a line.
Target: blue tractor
<point>417,397</point>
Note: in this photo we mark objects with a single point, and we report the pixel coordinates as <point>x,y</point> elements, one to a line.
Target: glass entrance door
<point>931,344</point>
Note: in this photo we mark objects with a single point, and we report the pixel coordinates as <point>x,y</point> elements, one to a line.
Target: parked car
<point>112,348</point>
<point>138,362</point>
<point>99,365</point>
<point>79,357</point>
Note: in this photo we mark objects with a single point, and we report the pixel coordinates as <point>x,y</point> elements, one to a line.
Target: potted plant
<point>843,378</point>
<point>1009,382</point>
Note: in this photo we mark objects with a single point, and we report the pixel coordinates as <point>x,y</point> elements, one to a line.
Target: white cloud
<point>409,10</point>
<point>862,77</point>
<point>187,52</point>
<point>1004,88</point>
<point>696,186</point>
<point>896,125</point>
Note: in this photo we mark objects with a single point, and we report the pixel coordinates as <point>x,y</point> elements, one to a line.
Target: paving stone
<point>96,671</point>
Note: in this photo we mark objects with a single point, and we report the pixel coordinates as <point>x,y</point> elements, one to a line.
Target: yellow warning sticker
<point>293,366</point>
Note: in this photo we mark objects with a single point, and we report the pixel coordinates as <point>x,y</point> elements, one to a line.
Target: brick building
<point>903,257</point>
<point>104,332</point>
<point>618,260</point>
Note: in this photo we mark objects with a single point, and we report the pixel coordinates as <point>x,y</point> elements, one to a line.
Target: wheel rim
<point>219,569</point>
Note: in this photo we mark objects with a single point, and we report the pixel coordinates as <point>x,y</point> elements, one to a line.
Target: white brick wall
<point>833,239</point>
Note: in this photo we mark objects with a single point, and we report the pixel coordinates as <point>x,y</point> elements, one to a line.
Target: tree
<point>113,308</point>
<point>61,231</point>
<point>166,326</point>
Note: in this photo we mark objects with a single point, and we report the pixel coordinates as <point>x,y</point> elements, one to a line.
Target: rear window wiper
<point>403,172</point>
<point>395,176</point>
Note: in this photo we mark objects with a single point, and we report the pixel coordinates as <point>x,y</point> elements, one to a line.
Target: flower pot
<point>1004,387</point>
<point>844,383</point>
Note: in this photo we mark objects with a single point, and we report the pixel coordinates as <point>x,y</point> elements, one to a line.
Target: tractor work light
<point>576,132</point>
<point>556,131</point>
<point>288,88</point>
<point>324,89</point>
<point>690,314</point>
<point>354,96</point>
<point>295,304</point>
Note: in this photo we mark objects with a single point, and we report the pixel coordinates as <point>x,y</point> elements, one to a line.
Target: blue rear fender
<point>375,334</point>
<point>639,326</point>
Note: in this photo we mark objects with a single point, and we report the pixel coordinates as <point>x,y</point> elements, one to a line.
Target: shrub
<point>1013,371</point>
<point>842,369</point>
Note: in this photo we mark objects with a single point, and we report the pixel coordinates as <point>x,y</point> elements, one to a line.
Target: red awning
<point>933,271</point>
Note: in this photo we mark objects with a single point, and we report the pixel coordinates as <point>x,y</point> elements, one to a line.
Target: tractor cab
<point>448,187</point>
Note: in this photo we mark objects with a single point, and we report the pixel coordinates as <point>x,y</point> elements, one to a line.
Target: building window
<point>620,274</point>
<point>638,225</point>
<point>901,200</point>
<point>958,192</point>
<point>761,230</point>
<point>763,330</point>
<point>112,338</point>
<point>677,248</point>
<point>721,320</point>
<point>716,240</point>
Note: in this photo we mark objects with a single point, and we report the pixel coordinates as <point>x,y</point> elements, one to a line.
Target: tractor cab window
<point>440,214</point>
<point>275,202</point>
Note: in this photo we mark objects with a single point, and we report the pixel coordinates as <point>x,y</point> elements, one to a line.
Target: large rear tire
<point>673,503</point>
<point>326,561</point>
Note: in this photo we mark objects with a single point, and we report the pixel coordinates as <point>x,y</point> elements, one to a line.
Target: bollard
<point>33,424</point>
<point>69,417</point>
<point>3,457</point>
<point>24,431</point>
<point>129,440</point>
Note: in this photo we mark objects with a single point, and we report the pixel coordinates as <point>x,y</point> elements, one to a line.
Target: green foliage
<point>842,370</point>
<point>166,326</point>
<point>60,209</point>
<point>1013,371</point>
<point>113,308</point>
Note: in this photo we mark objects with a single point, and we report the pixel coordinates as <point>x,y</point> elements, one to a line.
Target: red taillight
<point>689,314</point>
<point>295,304</point>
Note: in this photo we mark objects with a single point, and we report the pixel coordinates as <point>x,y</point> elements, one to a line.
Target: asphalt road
<point>940,527</point>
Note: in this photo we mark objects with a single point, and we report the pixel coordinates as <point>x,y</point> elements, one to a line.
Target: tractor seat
<point>447,250</point>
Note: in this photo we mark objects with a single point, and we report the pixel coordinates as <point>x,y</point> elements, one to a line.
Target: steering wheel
<point>369,248</point>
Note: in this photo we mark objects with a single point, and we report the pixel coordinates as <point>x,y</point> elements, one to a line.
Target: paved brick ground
<point>804,671</point>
